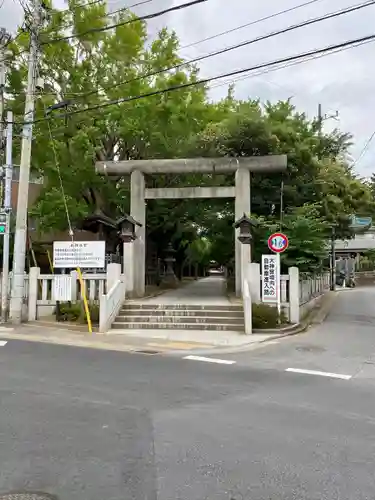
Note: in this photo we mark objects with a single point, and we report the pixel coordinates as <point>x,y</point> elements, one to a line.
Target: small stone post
<point>33,293</point>
<point>113,275</point>
<point>294,316</point>
<point>254,281</point>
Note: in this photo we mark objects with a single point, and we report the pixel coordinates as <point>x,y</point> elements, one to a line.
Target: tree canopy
<point>96,67</point>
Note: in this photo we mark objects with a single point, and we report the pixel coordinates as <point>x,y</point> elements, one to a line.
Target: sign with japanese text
<point>62,287</point>
<point>84,254</point>
<point>270,278</point>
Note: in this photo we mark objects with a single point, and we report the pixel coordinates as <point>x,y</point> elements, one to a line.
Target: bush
<point>68,311</point>
<point>265,316</point>
<point>76,312</point>
<point>94,314</point>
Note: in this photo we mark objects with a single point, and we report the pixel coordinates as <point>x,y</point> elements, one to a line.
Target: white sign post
<point>271,279</point>
<point>83,254</point>
<point>62,287</point>
<point>277,243</point>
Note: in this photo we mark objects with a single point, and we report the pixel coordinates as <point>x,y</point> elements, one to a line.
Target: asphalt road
<point>90,424</point>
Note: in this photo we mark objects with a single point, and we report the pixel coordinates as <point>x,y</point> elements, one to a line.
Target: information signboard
<point>270,278</point>
<point>83,254</point>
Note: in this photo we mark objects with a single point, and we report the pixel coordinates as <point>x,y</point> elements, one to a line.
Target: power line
<point>107,14</point>
<point>330,48</point>
<point>237,46</point>
<point>129,21</point>
<point>364,149</point>
<point>289,65</point>
<point>266,71</point>
<point>95,2</point>
<point>251,23</point>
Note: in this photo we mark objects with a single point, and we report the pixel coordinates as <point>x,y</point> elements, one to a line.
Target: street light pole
<point>23,186</point>
<point>7,208</point>
<point>4,39</point>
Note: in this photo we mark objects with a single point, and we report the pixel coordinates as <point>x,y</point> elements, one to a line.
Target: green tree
<point>88,71</point>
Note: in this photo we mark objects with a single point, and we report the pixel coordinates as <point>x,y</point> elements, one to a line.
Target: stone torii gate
<point>241,167</point>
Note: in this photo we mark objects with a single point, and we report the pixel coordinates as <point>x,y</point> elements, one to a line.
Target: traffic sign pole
<point>278,287</point>
<point>278,243</point>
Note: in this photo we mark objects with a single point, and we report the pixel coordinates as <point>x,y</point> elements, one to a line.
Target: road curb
<point>316,316</point>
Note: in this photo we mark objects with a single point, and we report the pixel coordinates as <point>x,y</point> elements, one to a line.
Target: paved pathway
<point>206,291</point>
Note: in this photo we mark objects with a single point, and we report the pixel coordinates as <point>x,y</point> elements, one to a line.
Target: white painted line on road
<point>3,343</point>
<point>211,360</point>
<point>321,374</point>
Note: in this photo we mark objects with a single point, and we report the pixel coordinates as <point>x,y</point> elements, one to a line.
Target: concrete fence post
<point>128,266</point>
<point>74,285</point>
<point>254,281</point>
<point>33,293</point>
<point>113,275</point>
<point>294,316</point>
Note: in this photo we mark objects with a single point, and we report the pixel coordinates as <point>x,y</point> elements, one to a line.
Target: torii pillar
<point>241,167</point>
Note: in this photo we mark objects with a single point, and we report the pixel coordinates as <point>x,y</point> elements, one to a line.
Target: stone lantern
<point>170,279</point>
<point>245,225</point>
<point>127,226</point>
<point>127,232</point>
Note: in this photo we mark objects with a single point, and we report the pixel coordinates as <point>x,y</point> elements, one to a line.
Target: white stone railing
<point>297,296</point>
<point>41,300</point>
<point>41,292</point>
<point>313,287</point>
<point>95,286</point>
<point>25,288</point>
<point>110,305</point>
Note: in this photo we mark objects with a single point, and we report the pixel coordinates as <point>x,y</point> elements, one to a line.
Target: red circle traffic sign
<point>278,242</point>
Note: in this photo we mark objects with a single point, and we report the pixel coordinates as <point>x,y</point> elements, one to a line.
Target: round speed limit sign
<point>278,242</point>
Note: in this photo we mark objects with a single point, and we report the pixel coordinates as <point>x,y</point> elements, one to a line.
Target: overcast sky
<point>343,82</point>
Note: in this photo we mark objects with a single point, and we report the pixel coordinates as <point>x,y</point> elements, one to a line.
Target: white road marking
<point>321,374</point>
<point>3,343</point>
<point>211,360</point>
<point>6,329</point>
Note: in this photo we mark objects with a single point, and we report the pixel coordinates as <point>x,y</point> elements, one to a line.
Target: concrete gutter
<point>35,332</point>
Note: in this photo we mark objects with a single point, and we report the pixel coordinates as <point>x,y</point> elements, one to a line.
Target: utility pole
<point>4,39</point>
<point>321,119</point>
<point>333,259</point>
<point>23,186</point>
<point>320,128</point>
<point>7,209</point>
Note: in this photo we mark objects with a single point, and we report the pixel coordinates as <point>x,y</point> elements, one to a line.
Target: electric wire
<point>288,65</point>
<point>364,149</point>
<point>251,23</point>
<point>236,46</point>
<point>57,164</point>
<point>124,23</point>
<point>329,50</point>
<point>272,69</point>
<point>106,15</point>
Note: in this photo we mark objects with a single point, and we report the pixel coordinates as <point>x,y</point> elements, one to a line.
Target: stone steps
<point>179,313</point>
<point>184,307</point>
<point>141,316</point>
<point>176,326</point>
